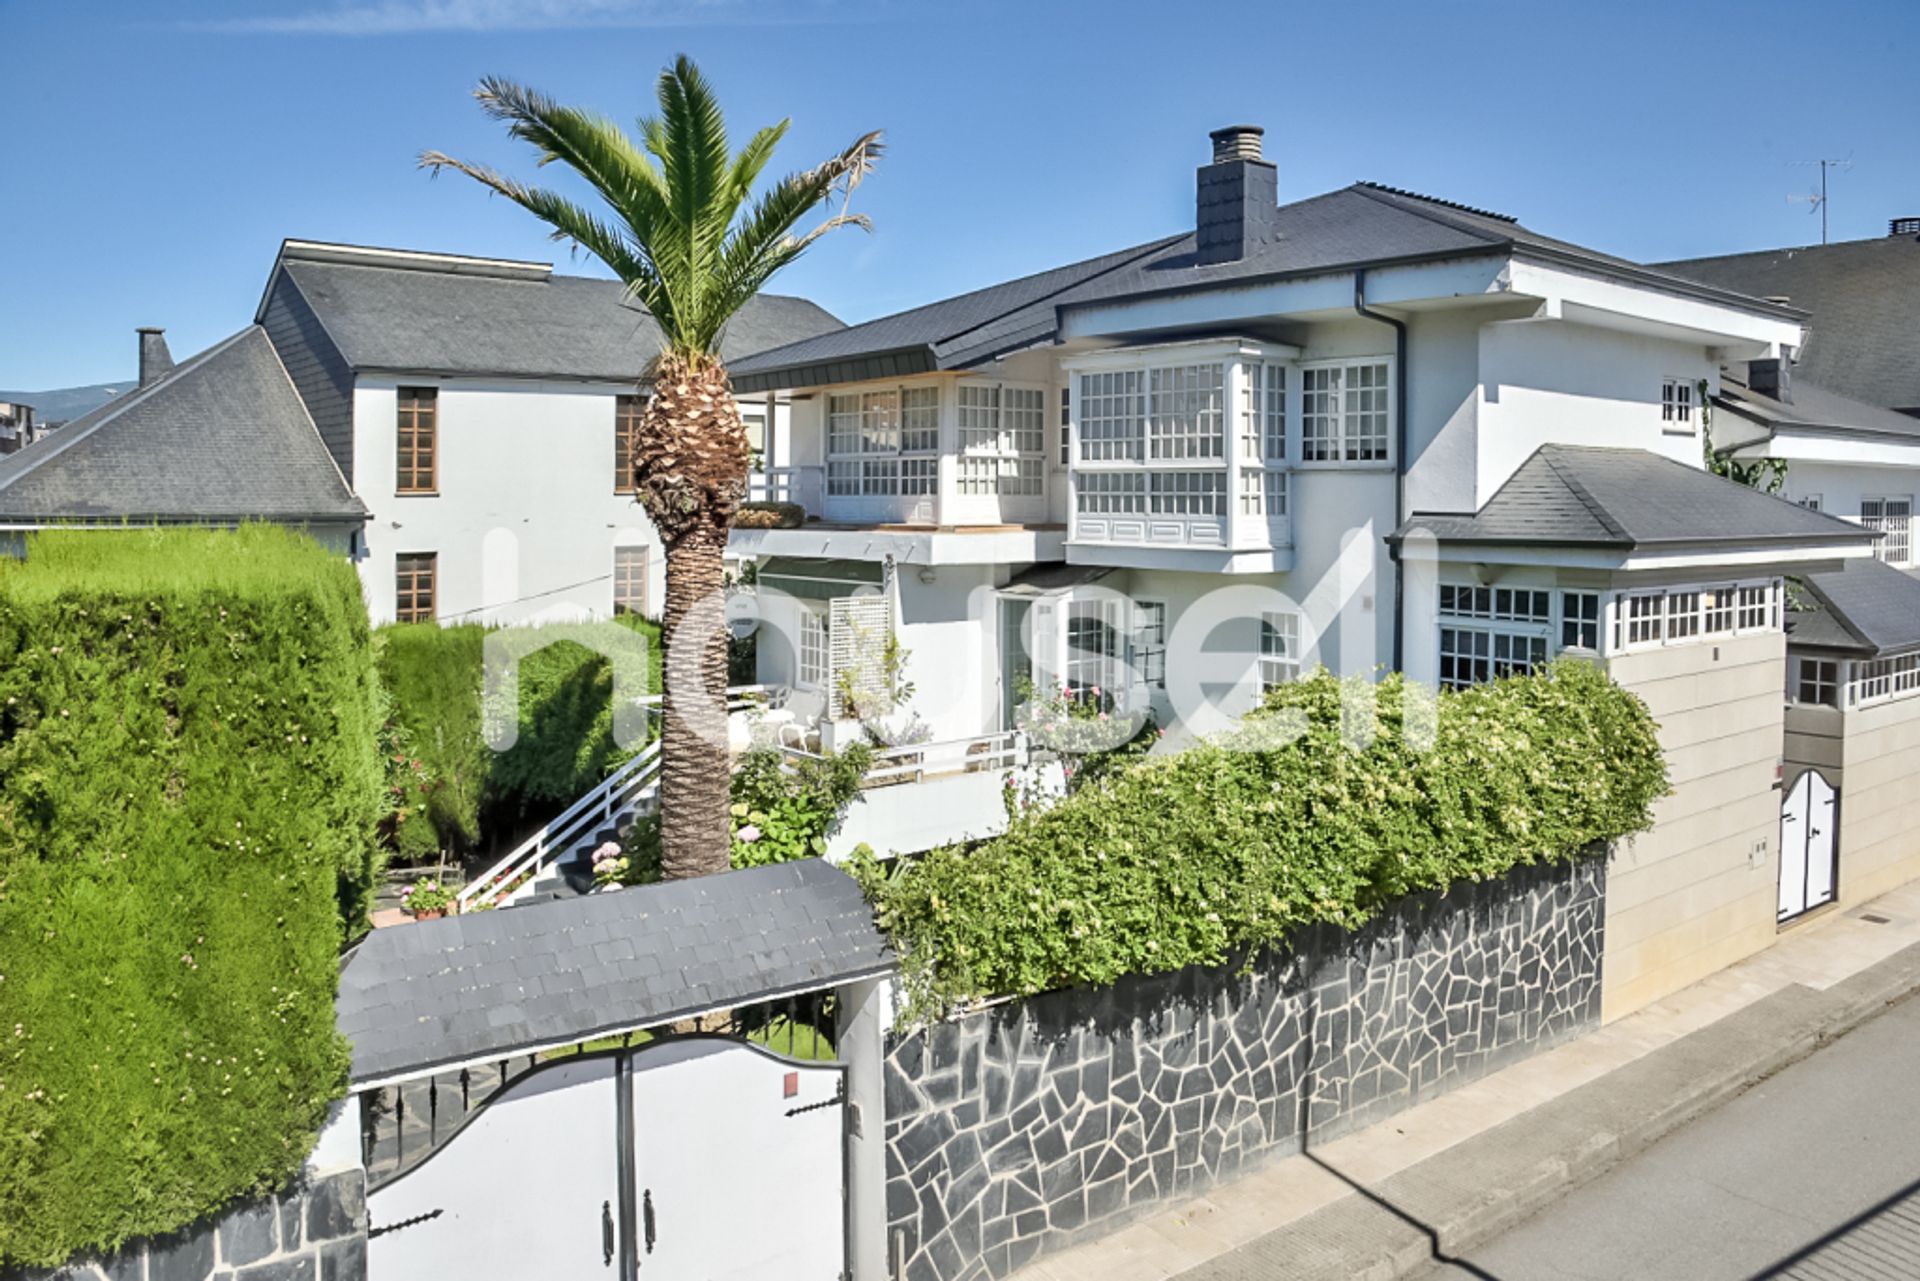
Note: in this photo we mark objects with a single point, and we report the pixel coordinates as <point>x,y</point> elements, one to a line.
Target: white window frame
<point>1280,648</point>
<point>1833,680</point>
<point>1494,630</point>
<point>1339,432</point>
<point>1873,681</point>
<point>1694,613</point>
<point>1149,642</point>
<point>1102,667</point>
<point>1897,547</point>
<point>812,660</point>
<point>867,441</point>
<point>1677,408</point>
<point>1001,446</point>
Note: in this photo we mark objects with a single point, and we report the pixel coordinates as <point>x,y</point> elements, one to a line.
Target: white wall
<point>1546,381</point>
<point>1841,486</point>
<point>526,518</point>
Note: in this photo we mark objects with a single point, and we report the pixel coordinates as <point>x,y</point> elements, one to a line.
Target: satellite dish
<point>742,613</point>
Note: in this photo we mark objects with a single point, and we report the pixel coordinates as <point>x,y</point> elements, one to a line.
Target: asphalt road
<point>1812,1175</point>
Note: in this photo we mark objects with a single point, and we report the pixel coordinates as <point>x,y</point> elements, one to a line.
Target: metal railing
<point>917,762</point>
<point>802,485</point>
<point>629,790</point>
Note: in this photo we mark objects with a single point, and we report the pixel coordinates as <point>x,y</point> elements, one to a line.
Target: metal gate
<point>695,1158</point>
<point>1809,845</point>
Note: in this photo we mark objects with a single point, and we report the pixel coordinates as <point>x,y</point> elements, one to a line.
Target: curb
<point>1487,1184</point>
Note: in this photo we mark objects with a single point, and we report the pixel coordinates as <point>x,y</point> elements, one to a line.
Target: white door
<point>1809,829</point>
<point>738,1164</point>
<point>527,1190</point>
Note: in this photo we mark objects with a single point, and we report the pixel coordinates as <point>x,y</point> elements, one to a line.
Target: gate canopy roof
<point>432,995</point>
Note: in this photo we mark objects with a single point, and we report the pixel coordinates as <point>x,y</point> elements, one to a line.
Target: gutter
<point>1399,458</point>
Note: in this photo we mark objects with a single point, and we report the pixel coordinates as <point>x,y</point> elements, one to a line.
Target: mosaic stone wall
<point>314,1231</point>
<point>1020,1129</point>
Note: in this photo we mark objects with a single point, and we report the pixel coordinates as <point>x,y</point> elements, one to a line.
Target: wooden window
<point>416,452</point>
<point>415,582</point>
<point>630,566</point>
<point>626,430</point>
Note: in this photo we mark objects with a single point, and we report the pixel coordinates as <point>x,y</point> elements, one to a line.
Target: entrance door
<point>738,1159</point>
<point>1809,845</point>
<point>528,1189</point>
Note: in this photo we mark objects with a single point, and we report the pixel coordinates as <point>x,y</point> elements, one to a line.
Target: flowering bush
<point>427,895</point>
<point>1183,859</point>
<point>1076,723</point>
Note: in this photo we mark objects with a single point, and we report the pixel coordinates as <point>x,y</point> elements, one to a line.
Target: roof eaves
<point>898,362</point>
<point>1651,278</point>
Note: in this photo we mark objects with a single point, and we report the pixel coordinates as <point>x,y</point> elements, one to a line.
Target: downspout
<point>1399,456</point>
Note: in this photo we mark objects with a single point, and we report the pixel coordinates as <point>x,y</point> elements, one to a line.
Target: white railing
<point>802,485</point>
<point>511,879</point>
<point>917,762</point>
<point>621,793</point>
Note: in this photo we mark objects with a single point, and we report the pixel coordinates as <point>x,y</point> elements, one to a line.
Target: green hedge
<point>189,785</point>
<point>434,680</point>
<point>1184,859</point>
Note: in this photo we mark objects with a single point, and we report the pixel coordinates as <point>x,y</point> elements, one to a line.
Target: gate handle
<point>646,1216</point>
<point>606,1234</point>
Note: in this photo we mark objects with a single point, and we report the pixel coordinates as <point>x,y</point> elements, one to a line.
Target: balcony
<point>906,527</point>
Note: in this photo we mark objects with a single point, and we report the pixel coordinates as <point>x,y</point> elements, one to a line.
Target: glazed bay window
<point>1181,446</point>
<point>1894,518</point>
<point>1346,412</point>
<point>1002,440</point>
<point>1685,615</point>
<point>883,444</point>
<point>1490,632</point>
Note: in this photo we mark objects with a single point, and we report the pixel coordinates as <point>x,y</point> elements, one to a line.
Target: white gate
<point>702,1158</point>
<point>1809,844</point>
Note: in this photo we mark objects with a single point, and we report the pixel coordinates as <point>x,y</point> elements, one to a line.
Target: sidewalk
<point>1382,1202</point>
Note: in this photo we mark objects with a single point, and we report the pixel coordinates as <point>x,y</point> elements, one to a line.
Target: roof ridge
<point>1444,203</point>
<point>67,437</point>
<point>1593,505</point>
<point>1133,255</point>
<point>1393,198</point>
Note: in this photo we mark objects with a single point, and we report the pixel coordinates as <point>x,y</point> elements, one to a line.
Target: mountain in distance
<point>64,404</point>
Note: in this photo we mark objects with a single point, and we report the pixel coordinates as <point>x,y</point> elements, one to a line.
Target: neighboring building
<point>1864,296</point>
<point>18,427</point>
<point>1366,428</point>
<point>458,425</point>
<point>222,439</point>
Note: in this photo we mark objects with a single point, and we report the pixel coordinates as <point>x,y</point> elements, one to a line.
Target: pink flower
<point>606,853</point>
<point>748,834</point>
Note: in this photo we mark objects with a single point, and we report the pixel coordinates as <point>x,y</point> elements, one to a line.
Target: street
<point>1814,1174</point>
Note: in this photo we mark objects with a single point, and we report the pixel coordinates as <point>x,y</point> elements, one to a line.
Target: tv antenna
<point>1816,201</point>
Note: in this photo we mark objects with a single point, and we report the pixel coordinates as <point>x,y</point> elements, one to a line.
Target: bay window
<point>1490,632</point>
<point>873,438</point>
<point>1002,440</point>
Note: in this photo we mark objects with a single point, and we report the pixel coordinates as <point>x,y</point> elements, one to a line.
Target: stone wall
<point>316,1231</point>
<point>1014,1131</point>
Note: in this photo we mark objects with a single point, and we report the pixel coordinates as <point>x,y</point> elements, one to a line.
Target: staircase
<point>557,860</point>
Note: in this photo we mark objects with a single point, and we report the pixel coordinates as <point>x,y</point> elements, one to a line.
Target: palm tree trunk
<point>696,770</point>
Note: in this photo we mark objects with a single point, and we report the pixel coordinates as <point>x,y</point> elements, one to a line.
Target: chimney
<point>1772,377</point>
<point>156,362</point>
<point>1237,199</point>
<point>1903,227</point>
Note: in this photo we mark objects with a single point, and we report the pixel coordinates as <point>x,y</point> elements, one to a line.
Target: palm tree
<point>683,228</point>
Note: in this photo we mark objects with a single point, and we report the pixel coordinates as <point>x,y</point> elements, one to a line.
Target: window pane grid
<point>1111,493</point>
<point>626,432</point>
<point>1112,417</point>
<point>416,446</point>
<point>1186,493</point>
<point>1279,649</point>
<point>630,580</point>
<point>1184,412</point>
<point>414,575</point>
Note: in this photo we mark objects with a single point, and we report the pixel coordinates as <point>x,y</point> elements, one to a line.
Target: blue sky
<point>156,153</point>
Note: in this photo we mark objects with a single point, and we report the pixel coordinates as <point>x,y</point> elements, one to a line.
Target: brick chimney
<point>1237,197</point>
<point>156,362</point>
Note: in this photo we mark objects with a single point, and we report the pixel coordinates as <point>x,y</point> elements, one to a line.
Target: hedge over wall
<point>1185,859</point>
<point>189,786</point>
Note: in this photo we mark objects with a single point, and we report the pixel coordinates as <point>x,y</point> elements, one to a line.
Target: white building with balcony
<point>1367,429</point>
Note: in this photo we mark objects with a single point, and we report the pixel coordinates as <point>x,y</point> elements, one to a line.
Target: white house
<point>1367,428</point>
<point>480,408</point>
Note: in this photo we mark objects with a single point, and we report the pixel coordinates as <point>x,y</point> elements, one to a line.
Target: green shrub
<point>434,682</point>
<point>189,785</point>
<point>1184,859</point>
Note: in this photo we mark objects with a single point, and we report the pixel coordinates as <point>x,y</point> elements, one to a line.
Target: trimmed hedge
<point>189,786</point>
<point>434,682</point>
<point>1186,859</point>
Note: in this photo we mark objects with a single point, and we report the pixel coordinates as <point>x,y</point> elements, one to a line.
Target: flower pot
<point>430,914</point>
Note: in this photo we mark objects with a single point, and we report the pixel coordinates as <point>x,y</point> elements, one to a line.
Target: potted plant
<point>427,899</point>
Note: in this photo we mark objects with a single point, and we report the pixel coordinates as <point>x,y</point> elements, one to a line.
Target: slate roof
<point>413,320</point>
<point>1591,495</point>
<point>1865,300</point>
<point>224,437</point>
<point>1867,608</point>
<point>418,997</point>
<point>1817,408</point>
<point>1361,225</point>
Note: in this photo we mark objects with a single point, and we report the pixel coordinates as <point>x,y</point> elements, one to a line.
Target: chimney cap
<point>1236,142</point>
<point>149,329</point>
<point>1903,226</point>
